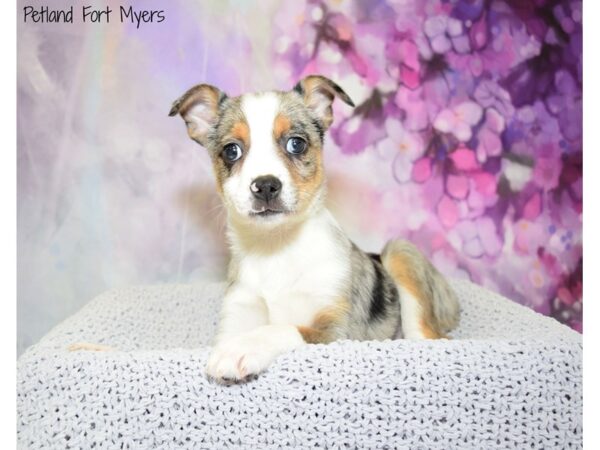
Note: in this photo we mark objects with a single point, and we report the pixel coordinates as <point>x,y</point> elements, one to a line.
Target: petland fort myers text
<point>91,14</point>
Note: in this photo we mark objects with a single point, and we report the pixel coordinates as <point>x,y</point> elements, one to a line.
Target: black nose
<point>265,188</point>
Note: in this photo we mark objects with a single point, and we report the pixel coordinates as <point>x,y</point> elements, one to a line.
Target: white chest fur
<point>307,274</point>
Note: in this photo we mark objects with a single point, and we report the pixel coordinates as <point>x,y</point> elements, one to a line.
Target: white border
<point>8,163</point>
<point>591,222</point>
<point>591,167</point>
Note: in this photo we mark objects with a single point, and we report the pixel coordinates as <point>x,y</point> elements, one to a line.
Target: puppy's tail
<point>429,307</point>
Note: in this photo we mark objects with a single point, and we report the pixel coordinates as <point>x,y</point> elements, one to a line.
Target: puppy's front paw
<point>238,358</point>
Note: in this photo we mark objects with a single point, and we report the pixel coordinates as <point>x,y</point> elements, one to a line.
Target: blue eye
<point>232,152</point>
<point>295,145</point>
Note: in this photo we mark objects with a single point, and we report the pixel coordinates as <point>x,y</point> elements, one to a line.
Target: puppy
<point>294,276</point>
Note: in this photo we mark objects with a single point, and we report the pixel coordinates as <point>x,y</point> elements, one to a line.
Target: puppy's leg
<point>429,307</point>
<point>242,311</point>
<point>239,356</point>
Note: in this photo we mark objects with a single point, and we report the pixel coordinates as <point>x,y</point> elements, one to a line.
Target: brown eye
<point>295,145</point>
<point>231,152</point>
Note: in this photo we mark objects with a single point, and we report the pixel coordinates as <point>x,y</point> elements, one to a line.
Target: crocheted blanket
<point>509,378</point>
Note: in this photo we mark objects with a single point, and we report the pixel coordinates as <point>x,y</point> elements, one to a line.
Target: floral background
<point>466,139</point>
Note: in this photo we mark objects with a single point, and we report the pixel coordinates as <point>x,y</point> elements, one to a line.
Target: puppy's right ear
<point>199,107</point>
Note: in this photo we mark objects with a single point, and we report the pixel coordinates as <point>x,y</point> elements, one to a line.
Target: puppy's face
<point>266,148</point>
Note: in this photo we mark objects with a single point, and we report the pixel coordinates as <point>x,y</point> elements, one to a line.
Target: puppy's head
<point>266,148</point>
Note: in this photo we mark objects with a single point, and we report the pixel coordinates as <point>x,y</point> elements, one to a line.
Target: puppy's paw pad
<point>237,360</point>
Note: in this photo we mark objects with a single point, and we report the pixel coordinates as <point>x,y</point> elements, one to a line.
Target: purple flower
<point>490,143</point>
<point>446,33</point>
<point>459,120</point>
<point>469,112</point>
<point>404,146</point>
<point>490,95</point>
<point>547,169</point>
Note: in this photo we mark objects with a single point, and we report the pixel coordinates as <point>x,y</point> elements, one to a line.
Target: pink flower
<point>406,54</point>
<point>421,170</point>
<point>533,207</point>
<point>464,159</point>
<point>491,242</point>
<point>435,29</point>
<point>445,33</point>
<point>482,192</point>
<point>528,236</point>
<point>548,166</point>
<point>447,211</point>
<point>485,183</point>
<point>507,49</point>
<point>490,143</point>
<point>406,145</point>
<point>409,54</point>
<point>537,278</point>
<point>470,183</point>
<point>409,77</point>
<point>342,26</point>
<point>481,130</point>
<point>457,186</point>
<point>565,296</point>
<point>478,33</point>
<point>546,173</point>
<point>411,101</point>
<point>459,120</point>
<point>409,144</point>
<point>479,237</point>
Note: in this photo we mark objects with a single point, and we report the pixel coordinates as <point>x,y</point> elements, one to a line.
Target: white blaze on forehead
<point>260,111</point>
<point>263,157</point>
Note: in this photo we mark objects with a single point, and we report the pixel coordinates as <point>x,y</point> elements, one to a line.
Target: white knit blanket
<point>509,378</point>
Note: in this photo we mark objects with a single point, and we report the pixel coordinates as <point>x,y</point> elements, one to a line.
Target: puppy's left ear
<point>318,93</point>
<point>199,107</point>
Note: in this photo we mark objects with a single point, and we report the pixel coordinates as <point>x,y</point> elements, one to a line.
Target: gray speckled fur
<point>443,300</point>
<point>361,323</point>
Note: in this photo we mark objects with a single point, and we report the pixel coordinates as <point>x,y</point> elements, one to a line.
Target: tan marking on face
<point>306,171</point>
<point>231,126</point>
<point>241,132</point>
<point>307,175</point>
<point>281,126</point>
<point>221,173</point>
<point>322,328</point>
<point>400,269</point>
